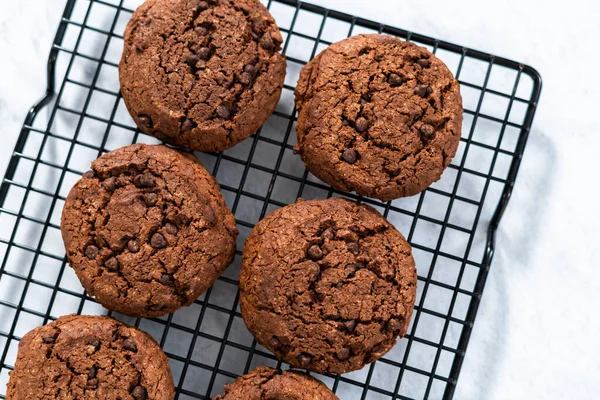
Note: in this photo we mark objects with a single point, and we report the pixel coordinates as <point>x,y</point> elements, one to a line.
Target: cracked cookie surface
<point>268,383</point>
<point>327,285</point>
<point>378,116</point>
<point>90,357</point>
<point>147,230</point>
<point>203,75</point>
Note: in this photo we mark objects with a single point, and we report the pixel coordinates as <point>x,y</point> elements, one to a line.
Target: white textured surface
<point>537,333</point>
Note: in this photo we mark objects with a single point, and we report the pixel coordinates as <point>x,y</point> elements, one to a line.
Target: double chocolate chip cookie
<point>378,116</point>
<point>85,357</point>
<point>269,383</point>
<point>327,285</point>
<point>201,74</point>
<point>147,230</point>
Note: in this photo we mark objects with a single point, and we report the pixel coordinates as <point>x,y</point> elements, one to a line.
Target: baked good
<point>327,285</point>
<point>90,357</point>
<point>203,75</point>
<point>268,383</point>
<point>147,230</point>
<point>377,116</point>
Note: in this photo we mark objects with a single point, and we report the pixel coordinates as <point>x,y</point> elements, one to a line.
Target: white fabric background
<point>537,332</point>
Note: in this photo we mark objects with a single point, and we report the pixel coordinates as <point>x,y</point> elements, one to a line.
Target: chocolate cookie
<point>147,230</point>
<point>269,383</point>
<point>85,357</point>
<point>201,74</point>
<point>378,116</point>
<point>327,285</point>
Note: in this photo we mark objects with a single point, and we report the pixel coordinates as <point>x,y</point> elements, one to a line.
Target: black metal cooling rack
<point>451,225</point>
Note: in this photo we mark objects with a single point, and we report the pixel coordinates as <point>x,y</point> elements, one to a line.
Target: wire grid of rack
<point>451,225</point>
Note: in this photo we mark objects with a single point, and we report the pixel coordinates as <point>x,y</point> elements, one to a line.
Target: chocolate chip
<point>223,112</point>
<point>361,124</point>
<point>49,339</point>
<point>424,63</point>
<point>110,184</point>
<point>339,285</point>
<point>423,91</point>
<point>251,69</point>
<point>363,101</point>
<point>200,30</point>
<point>167,279</point>
<point>112,264</point>
<point>250,33</point>
<point>266,42</point>
<point>394,80</point>
<point>191,60</point>
<point>427,131</point>
<point>202,5</point>
<point>209,216</point>
<point>304,359</point>
<point>350,325</point>
<point>343,354</point>
<point>259,24</point>
<point>315,272</point>
<point>187,125</point>
<point>95,344</point>
<point>130,345</point>
<point>314,252</point>
<point>139,393</point>
<point>396,172</point>
<point>91,252</point>
<point>204,53</point>
<point>158,241</point>
<point>171,228</point>
<point>245,78</point>
<point>328,234</point>
<point>92,372</point>
<point>145,122</point>
<point>394,325</point>
<point>353,268</point>
<point>144,181</point>
<point>150,199</point>
<point>89,174</point>
<point>92,383</point>
<point>133,245</point>
<point>350,156</point>
<point>274,342</point>
<point>353,247</point>
<point>345,122</point>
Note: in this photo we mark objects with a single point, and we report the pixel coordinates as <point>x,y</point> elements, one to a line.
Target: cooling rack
<point>451,225</point>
